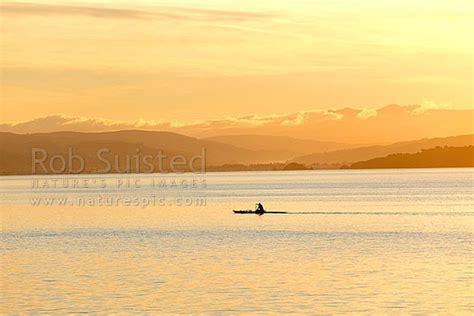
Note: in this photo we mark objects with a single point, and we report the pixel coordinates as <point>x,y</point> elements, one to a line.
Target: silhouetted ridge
<point>437,157</point>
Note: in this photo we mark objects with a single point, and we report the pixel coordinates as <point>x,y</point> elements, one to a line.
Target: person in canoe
<point>260,209</point>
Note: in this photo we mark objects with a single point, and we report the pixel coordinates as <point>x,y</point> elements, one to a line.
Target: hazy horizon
<point>347,125</point>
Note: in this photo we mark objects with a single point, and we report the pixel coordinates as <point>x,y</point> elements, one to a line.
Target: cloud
<point>58,122</point>
<point>387,124</point>
<point>366,113</point>
<point>428,105</point>
<point>51,9</point>
<point>297,119</point>
<point>164,13</point>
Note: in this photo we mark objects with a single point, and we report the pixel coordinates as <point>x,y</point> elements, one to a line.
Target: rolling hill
<point>281,148</point>
<point>438,157</point>
<point>124,146</point>
<point>16,154</point>
<point>346,156</point>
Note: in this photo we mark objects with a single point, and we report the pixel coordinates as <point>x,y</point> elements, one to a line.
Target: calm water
<point>379,241</point>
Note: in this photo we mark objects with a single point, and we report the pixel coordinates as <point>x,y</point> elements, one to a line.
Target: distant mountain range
<point>385,125</point>
<point>280,148</point>
<point>428,158</point>
<point>16,157</point>
<point>347,156</point>
<point>256,151</point>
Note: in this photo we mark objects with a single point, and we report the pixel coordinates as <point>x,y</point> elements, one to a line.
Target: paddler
<point>260,209</point>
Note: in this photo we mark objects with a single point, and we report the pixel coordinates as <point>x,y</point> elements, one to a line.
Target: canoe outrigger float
<point>259,210</point>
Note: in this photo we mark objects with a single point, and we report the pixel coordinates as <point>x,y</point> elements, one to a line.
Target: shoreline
<point>226,171</point>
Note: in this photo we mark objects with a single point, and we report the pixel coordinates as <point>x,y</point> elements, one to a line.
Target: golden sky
<point>198,60</point>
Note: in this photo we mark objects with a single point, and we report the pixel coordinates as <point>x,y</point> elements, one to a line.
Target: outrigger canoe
<point>257,212</point>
